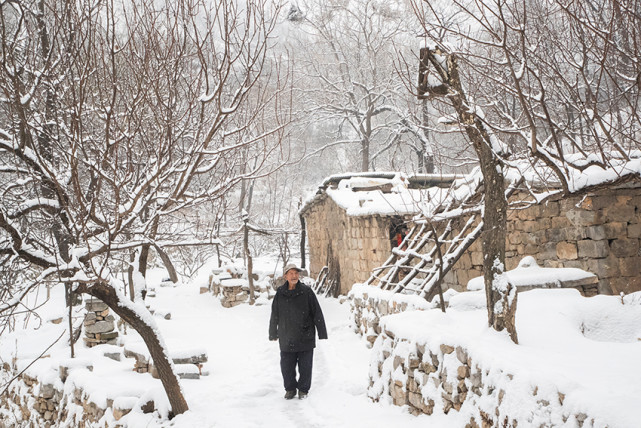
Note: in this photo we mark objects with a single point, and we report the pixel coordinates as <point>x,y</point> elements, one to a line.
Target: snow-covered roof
<point>383,193</point>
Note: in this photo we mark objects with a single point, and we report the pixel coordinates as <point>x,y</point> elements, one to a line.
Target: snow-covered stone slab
<point>529,275</point>
<point>234,282</point>
<point>187,371</point>
<point>189,356</point>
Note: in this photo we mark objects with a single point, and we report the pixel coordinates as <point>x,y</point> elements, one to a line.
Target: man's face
<point>292,276</point>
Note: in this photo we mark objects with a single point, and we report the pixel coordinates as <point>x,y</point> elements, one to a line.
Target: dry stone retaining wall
<point>36,403</point>
<point>47,403</point>
<point>368,304</point>
<point>446,378</point>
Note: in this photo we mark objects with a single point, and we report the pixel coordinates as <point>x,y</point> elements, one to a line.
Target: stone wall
<point>598,233</point>
<point>368,304</point>
<point>446,378</point>
<point>36,403</point>
<point>358,244</point>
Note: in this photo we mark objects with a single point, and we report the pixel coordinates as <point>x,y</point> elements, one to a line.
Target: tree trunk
<point>144,251</point>
<point>302,242</point>
<point>425,157</point>
<point>171,270</point>
<point>248,257</point>
<point>500,294</point>
<point>127,312</point>
<point>364,155</point>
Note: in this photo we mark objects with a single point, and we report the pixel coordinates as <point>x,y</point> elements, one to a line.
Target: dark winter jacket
<point>296,315</point>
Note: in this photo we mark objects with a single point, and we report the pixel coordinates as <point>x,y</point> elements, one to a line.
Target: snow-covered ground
<point>590,346</point>
<point>244,387</point>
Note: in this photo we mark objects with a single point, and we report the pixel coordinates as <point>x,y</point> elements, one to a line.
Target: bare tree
<point>550,88</point>
<point>115,120</point>
<point>349,82</point>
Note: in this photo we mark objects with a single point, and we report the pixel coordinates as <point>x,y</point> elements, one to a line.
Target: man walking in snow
<point>296,315</point>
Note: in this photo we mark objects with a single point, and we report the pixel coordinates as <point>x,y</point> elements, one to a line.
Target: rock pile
<point>99,324</point>
<point>229,286</point>
<point>233,292</point>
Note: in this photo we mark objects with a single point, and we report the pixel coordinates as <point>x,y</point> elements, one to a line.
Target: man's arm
<point>317,314</point>
<point>273,320</point>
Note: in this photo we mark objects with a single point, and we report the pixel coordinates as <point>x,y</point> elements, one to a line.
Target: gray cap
<point>290,266</point>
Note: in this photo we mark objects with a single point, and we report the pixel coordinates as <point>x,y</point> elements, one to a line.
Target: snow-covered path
<point>244,388</point>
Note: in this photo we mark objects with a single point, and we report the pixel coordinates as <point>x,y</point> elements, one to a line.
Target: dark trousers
<point>288,361</point>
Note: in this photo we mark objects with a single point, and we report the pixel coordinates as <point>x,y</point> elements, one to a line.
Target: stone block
<point>567,234</point>
<point>593,249</point>
<point>625,285</point>
<point>534,238</point>
<point>107,336</point>
<point>547,251</point>
<point>398,361</point>
<point>116,356</point>
<point>119,413</point>
<point>464,262</point>
<point>194,358</point>
<point>531,226</point>
<point>95,305</point>
<point>625,247</point>
<point>566,250</point>
<point>476,379</point>
<point>603,201</point>
<point>615,230</point>
<point>596,233</point>
<point>399,396</point>
<point>620,213</point>
<point>427,368</point>
<point>560,222</point>
<point>634,230</point>
<point>100,327</point>
<point>630,266</point>
<point>551,208</point>
<point>413,362</point>
<point>605,268</point>
<point>447,349</point>
<point>46,391</point>
<point>463,372</point>
<point>90,318</point>
<point>477,258</point>
<point>580,218</point>
<point>461,354</point>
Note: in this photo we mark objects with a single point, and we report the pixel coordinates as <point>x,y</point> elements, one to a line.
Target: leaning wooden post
<point>248,257</point>
<point>302,242</point>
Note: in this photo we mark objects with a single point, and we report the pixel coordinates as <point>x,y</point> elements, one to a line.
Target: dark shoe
<point>290,394</point>
<point>302,395</point>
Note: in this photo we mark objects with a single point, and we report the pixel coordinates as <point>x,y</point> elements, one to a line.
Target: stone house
<point>354,220</point>
<point>352,223</point>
